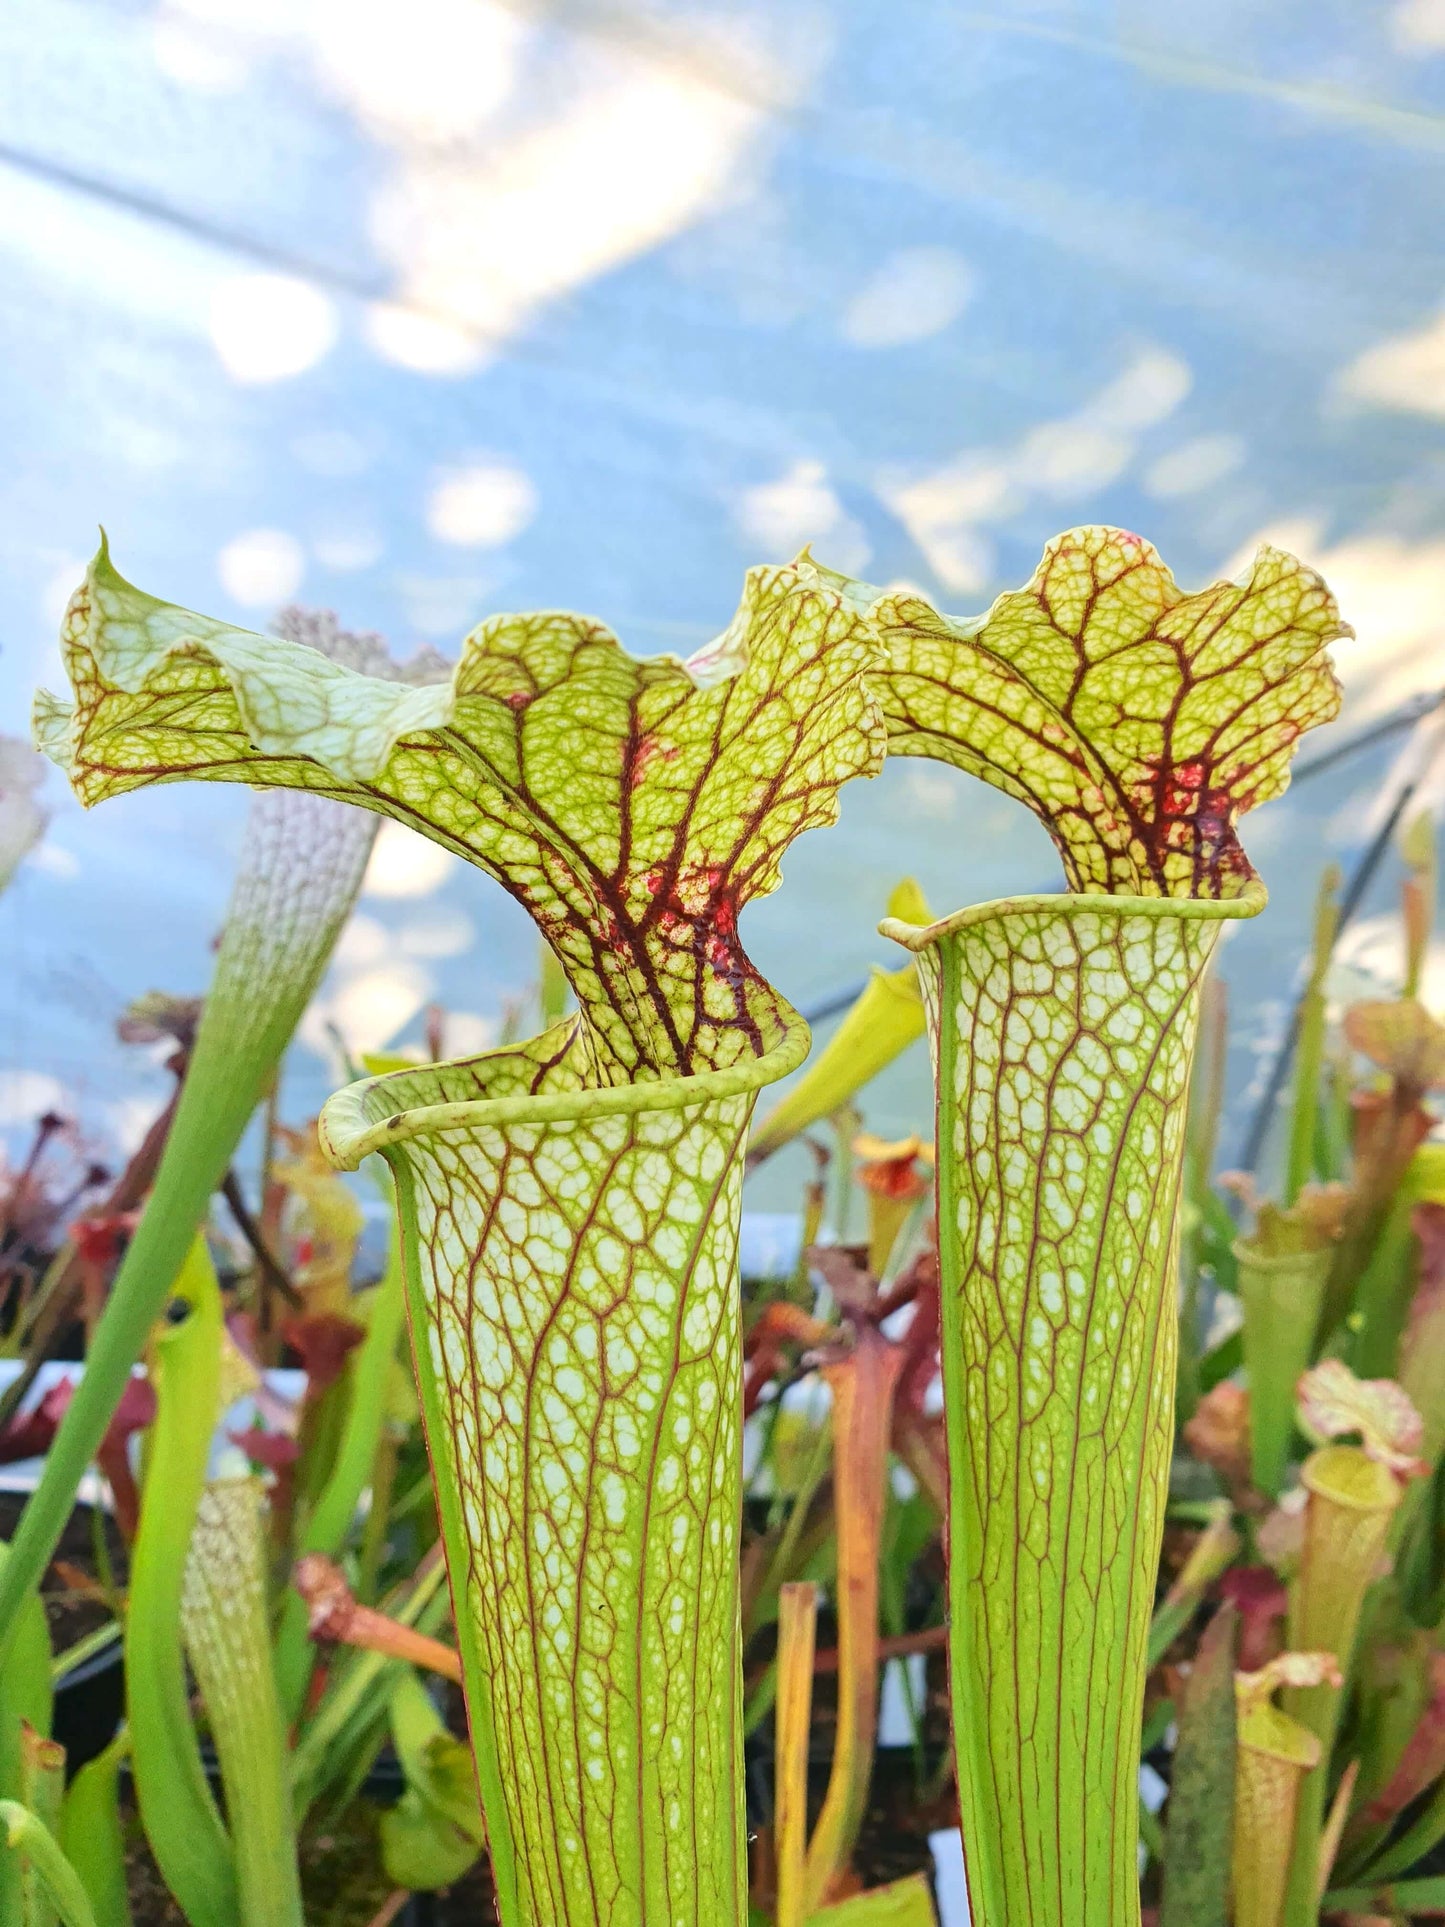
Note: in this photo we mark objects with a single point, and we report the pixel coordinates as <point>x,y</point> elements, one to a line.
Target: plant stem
<point>302,868</point>
<point>29,1836</point>
<point>1310,1050</point>
<point>183,1825</point>
<point>342,1703</point>
<point>42,1786</point>
<point>228,1639</point>
<point>378,1516</point>
<point>356,1458</point>
<point>92,1834</point>
<point>862,1387</point>
<point>797,1625</point>
<point>26,1698</point>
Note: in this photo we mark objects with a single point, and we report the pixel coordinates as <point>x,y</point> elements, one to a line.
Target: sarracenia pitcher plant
<point>569,1205</point>
<point>1138,722</point>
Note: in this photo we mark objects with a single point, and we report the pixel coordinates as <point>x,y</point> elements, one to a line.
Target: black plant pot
<point>89,1706</point>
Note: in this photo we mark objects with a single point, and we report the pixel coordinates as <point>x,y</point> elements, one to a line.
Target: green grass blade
<point>42,1786</point>
<point>336,1508</point>
<point>93,1837</point>
<point>181,1819</point>
<point>26,1698</point>
<point>906,1903</point>
<point>1425,1831</point>
<point>228,1637</point>
<point>359,1694</point>
<point>1200,1835</point>
<point>28,1836</point>
<point>303,863</point>
<point>1409,1897</point>
<point>1310,1050</point>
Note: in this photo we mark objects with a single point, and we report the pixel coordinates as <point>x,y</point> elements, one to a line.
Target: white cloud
<point>267,327</point>
<point>374,988</point>
<point>446,934</point>
<point>368,1009</point>
<point>932,792</point>
<point>362,942</point>
<point>466,1033</point>
<point>500,197</point>
<point>1391,591</point>
<point>802,507</point>
<point>55,861</point>
<point>129,1118</point>
<point>946,509</point>
<point>22,814</point>
<point>404,864</point>
<point>441,606</point>
<point>26,1095</point>
<point>60,585</point>
<point>482,506</point>
<point>1144,393</point>
<point>624,155</point>
<point>344,547</point>
<point>149,273</point>
<point>258,17</point>
<point>917,292</point>
<point>1404,372</point>
<point>261,567</point>
<point>427,344</point>
<point>208,63</point>
<point>379,980</point>
<point>941,511</point>
<point>1194,465</point>
<point>1069,459</point>
<point>433,72</point>
<point>1418,26</point>
<point>1369,961</point>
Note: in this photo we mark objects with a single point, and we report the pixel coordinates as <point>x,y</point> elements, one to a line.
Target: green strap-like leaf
<point>183,1824</point>
<point>1137,722</point>
<point>226,1624</point>
<point>906,1903</point>
<point>633,806</point>
<point>301,867</point>
<point>92,1834</point>
<point>28,1835</point>
<point>1201,1801</point>
<point>434,1832</point>
<point>25,1697</point>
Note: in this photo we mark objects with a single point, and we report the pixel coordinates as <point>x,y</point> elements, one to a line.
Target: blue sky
<point>419,312</point>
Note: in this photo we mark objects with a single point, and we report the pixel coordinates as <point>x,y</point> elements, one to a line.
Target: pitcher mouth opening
<point>371,1115</point>
<point>1067,903</point>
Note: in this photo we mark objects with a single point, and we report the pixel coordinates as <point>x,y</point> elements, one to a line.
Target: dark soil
<point>900,1817</point>
<point>72,1610</point>
<point>343,1883</point>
